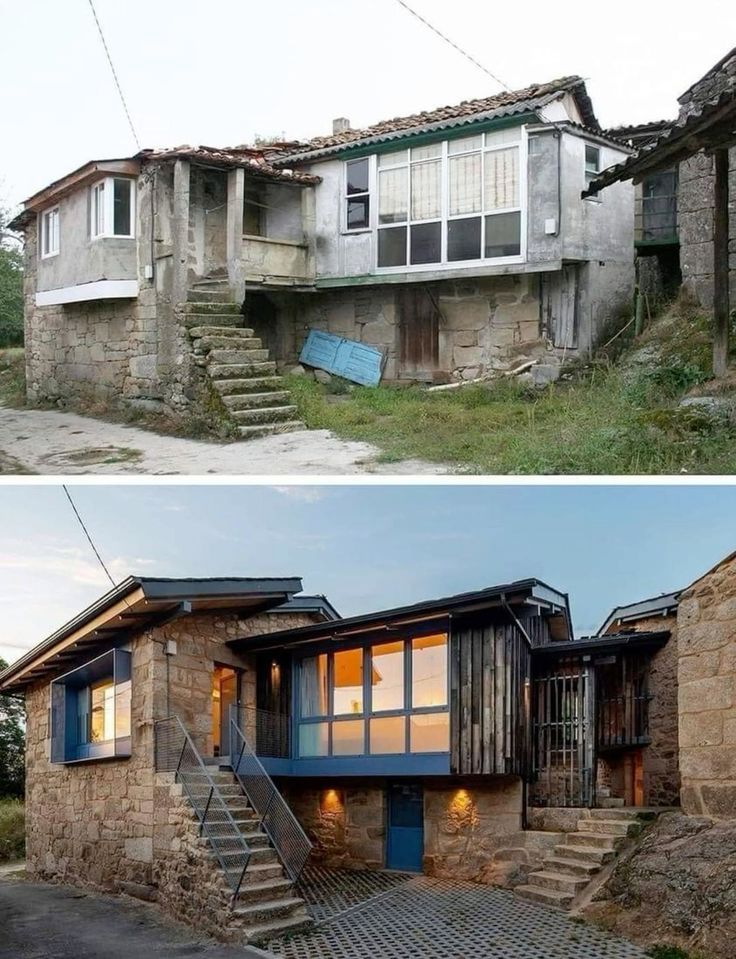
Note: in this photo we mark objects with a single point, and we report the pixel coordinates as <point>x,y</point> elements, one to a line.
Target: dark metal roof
<point>512,593</point>
<point>160,598</point>
<point>645,608</point>
<point>602,644</point>
<point>529,100</point>
<point>308,604</point>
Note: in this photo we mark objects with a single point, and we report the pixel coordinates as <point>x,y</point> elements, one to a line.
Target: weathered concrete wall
<point>706,627</point>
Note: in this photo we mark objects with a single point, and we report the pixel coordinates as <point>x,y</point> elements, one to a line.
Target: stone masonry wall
<point>706,627</point>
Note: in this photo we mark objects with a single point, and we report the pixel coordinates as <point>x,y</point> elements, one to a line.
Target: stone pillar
<point>309,215</point>
<point>235,201</point>
<point>180,231</point>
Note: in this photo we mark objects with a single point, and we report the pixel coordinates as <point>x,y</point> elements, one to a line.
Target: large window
<point>50,233</point>
<point>454,202</point>
<point>112,208</point>
<point>90,710</point>
<point>383,699</point>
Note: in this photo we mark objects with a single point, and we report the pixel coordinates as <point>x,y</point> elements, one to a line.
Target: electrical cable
<point>89,538</point>
<point>114,73</point>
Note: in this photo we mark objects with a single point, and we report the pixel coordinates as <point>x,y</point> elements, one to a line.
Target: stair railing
<point>277,820</point>
<point>175,752</point>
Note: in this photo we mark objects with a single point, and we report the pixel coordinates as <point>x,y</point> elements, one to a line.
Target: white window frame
<point>108,211</point>
<point>590,175</point>
<point>347,197</point>
<point>55,244</point>
<point>444,264</point>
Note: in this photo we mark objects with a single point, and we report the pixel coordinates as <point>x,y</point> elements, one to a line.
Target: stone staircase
<point>568,872</point>
<point>266,906</point>
<point>238,367</point>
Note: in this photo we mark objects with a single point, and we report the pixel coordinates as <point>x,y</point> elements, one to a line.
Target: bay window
<point>457,201</point>
<point>385,699</point>
<point>112,208</point>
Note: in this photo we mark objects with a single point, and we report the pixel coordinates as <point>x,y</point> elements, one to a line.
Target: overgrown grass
<point>669,952</point>
<point>12,377</point>
<point>12,830</point>
<point>611,418</point>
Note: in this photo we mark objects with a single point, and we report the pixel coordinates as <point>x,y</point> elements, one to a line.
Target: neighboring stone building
<point>456,242</point>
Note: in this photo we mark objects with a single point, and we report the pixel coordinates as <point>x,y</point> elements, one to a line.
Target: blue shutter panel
<point>347,358</point>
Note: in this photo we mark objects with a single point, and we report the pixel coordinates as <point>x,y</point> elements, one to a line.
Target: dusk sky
<point>365,547</point>
<point>219,73</point>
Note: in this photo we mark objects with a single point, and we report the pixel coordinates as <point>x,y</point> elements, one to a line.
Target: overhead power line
<point>460,50</point>
<point>86,533</point>
<point>115,76</point>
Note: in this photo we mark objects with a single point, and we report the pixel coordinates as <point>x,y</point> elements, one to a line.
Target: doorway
<point>405,835</point>
<point>419,331</point>
<point>224,695</point>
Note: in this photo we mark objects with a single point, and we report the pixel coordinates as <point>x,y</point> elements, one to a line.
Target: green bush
<point>12,830</point>
<point>11,293</point>
<point>668,952</point>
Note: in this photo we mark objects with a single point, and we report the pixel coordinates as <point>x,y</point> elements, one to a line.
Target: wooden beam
<point>721,300</point>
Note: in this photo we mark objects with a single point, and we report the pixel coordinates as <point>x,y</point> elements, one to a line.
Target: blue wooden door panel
<point>354,361</point>
<point>405,839</point>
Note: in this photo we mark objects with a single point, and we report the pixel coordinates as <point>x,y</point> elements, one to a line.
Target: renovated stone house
<point>199,742</point>
<point>454,242</point>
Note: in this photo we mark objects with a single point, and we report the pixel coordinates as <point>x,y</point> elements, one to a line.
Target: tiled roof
<point>530,99</point>
<point>250,158</point>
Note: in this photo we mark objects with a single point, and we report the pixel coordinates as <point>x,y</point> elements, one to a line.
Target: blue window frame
<point>389,697</point>
<point>90,710</point>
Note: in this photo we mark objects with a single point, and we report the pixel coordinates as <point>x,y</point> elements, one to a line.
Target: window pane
<point>465,185</point>
<point>358,171</point>
<point>313,686</point>
<point>313,739</point>
<point>122,710</point>
<point>102,711</point>
<point>426,153</point>
<point>348,682</point>
<point>426,243</point>
<point>429,671</point>
<point>358,213</point>
<point>430,733</point>
<point>464,145</point>
<point>121,207</point>
<point>392,195</point>
<point>391,159</point>
<point>463,239</point>
<point>503,235</point>
<point>499,137</point>
<point>502,179</point>
<point>592,159</point>
<point>388,735</point>
<point>387,677</point>
<point>98,209</point>
<point>425,191</point>
<point>348,738</point>
<point>392,247</point>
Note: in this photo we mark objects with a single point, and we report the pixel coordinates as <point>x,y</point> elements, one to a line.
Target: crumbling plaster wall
<point>706,628</point>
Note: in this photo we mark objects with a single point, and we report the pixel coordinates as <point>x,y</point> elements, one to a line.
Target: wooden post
<point>721,304</point>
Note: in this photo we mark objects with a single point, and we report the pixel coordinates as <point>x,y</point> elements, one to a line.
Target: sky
<point>220,72</point>
<point>365,547</point>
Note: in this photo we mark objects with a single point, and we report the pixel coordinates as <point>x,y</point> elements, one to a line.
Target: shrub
<point>12,830</point>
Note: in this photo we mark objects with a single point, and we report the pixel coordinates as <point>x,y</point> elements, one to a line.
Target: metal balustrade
<point>175,752</point>
<point>277,820</point>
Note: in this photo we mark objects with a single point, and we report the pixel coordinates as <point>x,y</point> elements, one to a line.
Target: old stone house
<point>198,742</point>
<point>455,242</point>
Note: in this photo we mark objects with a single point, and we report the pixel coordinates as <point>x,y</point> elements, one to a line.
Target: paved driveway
<point>47,441</point>
<point>39,921</point>
<point>415,917</point>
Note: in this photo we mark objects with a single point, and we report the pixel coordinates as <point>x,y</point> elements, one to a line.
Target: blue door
<point>405,840</point>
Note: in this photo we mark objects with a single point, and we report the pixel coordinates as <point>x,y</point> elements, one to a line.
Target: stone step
<point>210,308</point>
<point>241,387</point>
<point>230,789</point>
<point>259,856</point>
<point>265,415</point>
<point>240,371</point>
<point>610,827</point>
<point>223,320</point>
<point>255,432</point>
<point>547,897</point>
<point>250,401</point>
<point>572,867</point>
<point>197,332</point>
<point>259,872</point>
<point>561,881</point>
<point>235,342</point>
<point>589,854</point>
<point>598,840</point>
<point>610,802</point>
<point>268,909</point>
<point>278,888</point>
<point>238,807</point>
<point>235,357</point>
<point>209,295</point>
<point>630,813</point>
<point>272,930</point>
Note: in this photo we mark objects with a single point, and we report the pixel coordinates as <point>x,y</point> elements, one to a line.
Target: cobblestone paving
<point>423,918</point>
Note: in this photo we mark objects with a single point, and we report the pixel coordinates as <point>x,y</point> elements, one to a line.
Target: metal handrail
<point>277,820</point>
<point>175,752</point>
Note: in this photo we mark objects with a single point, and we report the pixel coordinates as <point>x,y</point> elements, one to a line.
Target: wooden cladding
<point>489,700</point>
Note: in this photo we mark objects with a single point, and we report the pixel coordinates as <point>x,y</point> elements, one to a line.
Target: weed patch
<point>12,830</point>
